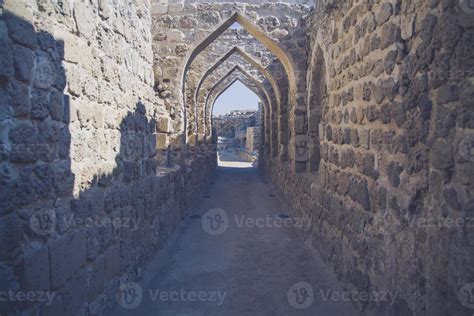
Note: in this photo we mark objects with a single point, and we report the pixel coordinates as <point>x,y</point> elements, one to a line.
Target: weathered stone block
<point>74,294</point>
<point>21,31</point>
<point>67,255</point>
<point>35,270</point>
<point>394,171</point>
<point>84,17</point>
<point>441,155</point>
<point>384,13</point>
<point>159,8</point>
<point>98,279</point>
<point>40,102</point>
<point>46,73</point>
<point>24,63</point>
<point>364,138</point>
<point>10,237</point>
<point>161,140</point>
<point>20,96</point>
<point>164,125</point>
<point>25,141</point>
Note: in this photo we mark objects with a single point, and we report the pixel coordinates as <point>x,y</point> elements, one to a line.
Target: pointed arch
<point>274,47</point>
<point>267,109</point>
<point>284,58</point>
<point>249,77</point>
<point>249,59</point>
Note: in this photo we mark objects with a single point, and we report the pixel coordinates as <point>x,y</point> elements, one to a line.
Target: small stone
<point>384,14</point>
<point>24,63</point>
<point>20,96</point>
<point>442,154</point>
<point>181,50</point>
<point>394,171</point>
<point>21,31</point>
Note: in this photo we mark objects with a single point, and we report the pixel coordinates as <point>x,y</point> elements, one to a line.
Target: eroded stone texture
<point>367,131</point>
<point>84,142</point>
<point>389,155</point>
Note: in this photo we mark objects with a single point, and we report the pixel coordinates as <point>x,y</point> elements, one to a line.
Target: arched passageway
<point>112,200</point>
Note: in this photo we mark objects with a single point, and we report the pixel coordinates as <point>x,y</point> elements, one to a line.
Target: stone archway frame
<point>252,84</point>
<point>208,108</point>
<point>267,105</point>
<point>271,129</point>
<point>262,95</point>
<point>258,92</point>
<point>252,62</point>
<point>284,57</point>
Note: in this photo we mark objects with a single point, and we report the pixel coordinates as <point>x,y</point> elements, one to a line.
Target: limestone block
<point>164,125</point>
<point>159,8</point>
<point>407,26</point>
<point>188,21</point>
<point>20,31</point>
<point>384,13</point>
<point>45,72</point>
<point>67,255</point>
<point>10,239</point>
<point>161,140</point>
<point>85,18</point>
<point>175,36</point>
<point>35,270</point>
<point>24,59</point>
<point>175,7</point>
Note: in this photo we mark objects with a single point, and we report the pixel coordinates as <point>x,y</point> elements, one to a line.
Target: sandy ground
<point>231,257</point>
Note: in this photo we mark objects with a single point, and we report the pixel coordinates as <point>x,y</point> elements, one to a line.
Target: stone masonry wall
<point>87,192</point>
<point>395,168</point>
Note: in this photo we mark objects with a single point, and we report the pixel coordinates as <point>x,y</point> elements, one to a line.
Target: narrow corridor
<point>247,263</point>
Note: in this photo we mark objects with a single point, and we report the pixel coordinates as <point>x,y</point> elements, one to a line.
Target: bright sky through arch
<point>237,97</point>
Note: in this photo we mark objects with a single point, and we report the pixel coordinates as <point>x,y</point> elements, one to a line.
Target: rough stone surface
<point>366,131</point>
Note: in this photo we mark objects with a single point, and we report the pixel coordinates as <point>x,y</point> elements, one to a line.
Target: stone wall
<point>395,171</point>
<point>87,191</point>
